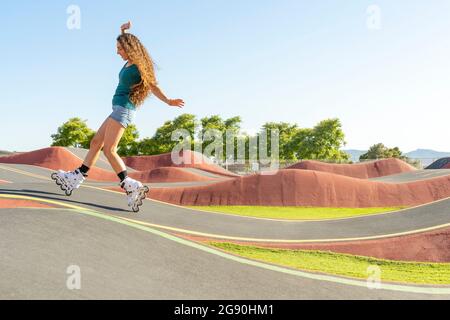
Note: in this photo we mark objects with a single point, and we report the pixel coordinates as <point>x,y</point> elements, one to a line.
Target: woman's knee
<point>110,150</point>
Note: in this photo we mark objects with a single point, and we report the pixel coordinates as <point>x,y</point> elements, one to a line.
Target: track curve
<point>38,245</point>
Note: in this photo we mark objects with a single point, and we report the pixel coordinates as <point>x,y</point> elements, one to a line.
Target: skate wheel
<point>53,175</point>
<point>68,192</point>
<point>135,208</point>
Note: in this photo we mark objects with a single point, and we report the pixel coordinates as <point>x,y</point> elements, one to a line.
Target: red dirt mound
<point>187,159</point>
<point>168,174</point>
<point>366,170</point>
<point>46,158</point>
<point>14,203</point>
<point>307,188</point>
<point>55,158</point>
<point>431,246</point>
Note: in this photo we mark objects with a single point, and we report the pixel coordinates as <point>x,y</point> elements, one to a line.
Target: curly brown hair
<point>139,56</point>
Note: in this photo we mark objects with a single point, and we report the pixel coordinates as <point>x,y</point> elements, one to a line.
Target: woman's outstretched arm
<point>171,102</point>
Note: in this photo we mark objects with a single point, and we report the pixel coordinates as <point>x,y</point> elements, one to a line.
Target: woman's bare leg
<point>113,134</point>
<point>95,146</point>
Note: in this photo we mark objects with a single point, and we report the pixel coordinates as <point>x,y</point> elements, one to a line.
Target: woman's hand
<point>161,96</point>
<point>176,103</point>
<point>125,26</point>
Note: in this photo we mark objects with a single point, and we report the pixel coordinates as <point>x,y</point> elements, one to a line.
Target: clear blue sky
<point>286,60</point>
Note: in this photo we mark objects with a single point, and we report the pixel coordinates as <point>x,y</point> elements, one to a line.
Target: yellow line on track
<point>263,240</point>
<point>59,203</point>
<point>25,173</point>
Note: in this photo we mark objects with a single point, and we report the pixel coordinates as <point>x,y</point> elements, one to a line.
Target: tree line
<point>322,142</point>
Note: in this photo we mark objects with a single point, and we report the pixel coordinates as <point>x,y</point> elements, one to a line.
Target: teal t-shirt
<point>128,77</point>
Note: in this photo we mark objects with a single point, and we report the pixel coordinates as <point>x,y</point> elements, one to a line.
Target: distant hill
<point>427,154</point>
<point>354,154</point>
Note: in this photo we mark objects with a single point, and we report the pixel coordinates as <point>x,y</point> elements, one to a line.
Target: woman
<point>136,81</point>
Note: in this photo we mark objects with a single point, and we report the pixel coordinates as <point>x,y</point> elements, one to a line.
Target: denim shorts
<point>123,115</point>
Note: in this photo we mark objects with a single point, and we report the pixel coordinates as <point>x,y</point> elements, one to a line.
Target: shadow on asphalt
<point>25,192</point>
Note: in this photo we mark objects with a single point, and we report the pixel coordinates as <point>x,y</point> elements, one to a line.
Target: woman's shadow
<point>47,195</point>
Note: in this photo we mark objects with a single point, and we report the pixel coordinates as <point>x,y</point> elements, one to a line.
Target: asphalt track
<point>142,258</point>
<point>413,176</point>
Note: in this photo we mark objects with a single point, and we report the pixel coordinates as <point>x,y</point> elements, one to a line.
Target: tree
<point>73,133</point>
<point>286,133</point>
<point>87,143</point>
<point>233,124</point>
<point>302,144</point>
<point>163,135</point>
<point>147,146</point>
<point>380,151</point>
<point>221,126</point>
<point>323,142</point>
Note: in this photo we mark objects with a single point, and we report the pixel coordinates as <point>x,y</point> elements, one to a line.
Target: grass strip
<point>346,265</point>
<point>296,213</point>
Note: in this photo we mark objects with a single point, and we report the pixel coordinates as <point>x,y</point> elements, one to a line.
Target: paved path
<point>143,259</point>
<point>413,176</point>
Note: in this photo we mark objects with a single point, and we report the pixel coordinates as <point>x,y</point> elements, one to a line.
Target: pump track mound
<point>294,187</point>
<point>55,158</point>
<point>366,170</point>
